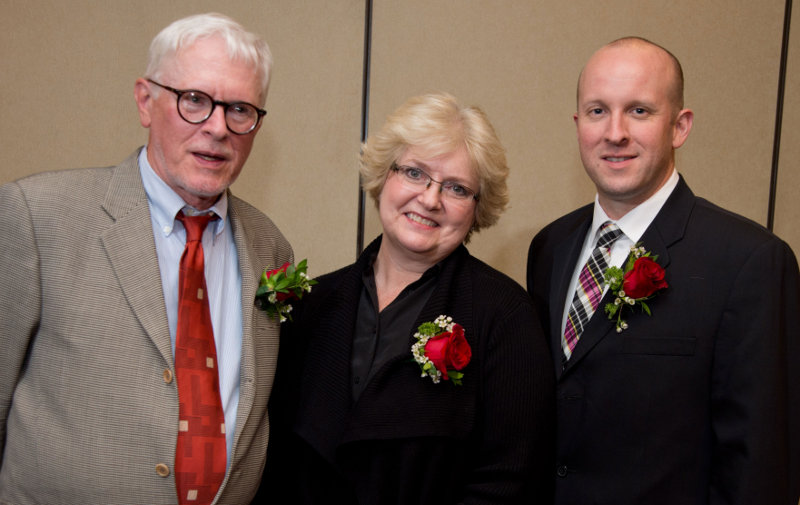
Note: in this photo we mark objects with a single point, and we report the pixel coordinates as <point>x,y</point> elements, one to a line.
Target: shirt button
<point>562,470</point>
<point>167,375</point>
<point>357,380</point>
<point>162,470</point>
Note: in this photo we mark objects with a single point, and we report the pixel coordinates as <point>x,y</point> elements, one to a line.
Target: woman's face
<point>421,224</point>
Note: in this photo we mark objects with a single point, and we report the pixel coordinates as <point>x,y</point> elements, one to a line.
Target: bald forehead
<point>653,52</point>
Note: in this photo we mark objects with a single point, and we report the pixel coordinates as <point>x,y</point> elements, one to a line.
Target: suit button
<point>162,470</point>
<point>167,375</point>
<point>561,470</point>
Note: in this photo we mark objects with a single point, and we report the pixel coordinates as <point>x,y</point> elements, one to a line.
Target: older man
<point>134,365</point>
<point>684,390</point>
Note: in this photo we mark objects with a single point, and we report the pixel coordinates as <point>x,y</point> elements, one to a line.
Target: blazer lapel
<point>667,228</point>
<point>250,273</point>
<point>131,251</point>
<point>565,257</point>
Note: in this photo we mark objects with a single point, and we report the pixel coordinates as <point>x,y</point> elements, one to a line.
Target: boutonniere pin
<point>441,350</point>
<point>639,282</point>
<point>281,286</point>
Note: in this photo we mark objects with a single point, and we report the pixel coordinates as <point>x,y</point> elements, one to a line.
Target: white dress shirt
<point>633,225</point>
<point>223,280</point>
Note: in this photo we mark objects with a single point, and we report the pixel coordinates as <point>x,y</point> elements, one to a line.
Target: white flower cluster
<point>427,366</point>
<point>444,322</point>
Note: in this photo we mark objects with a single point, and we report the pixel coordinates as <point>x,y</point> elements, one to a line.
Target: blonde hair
<point>438,124</point>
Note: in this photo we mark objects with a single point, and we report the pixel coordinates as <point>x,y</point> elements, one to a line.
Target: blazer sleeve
<point>20,296</point>
<point>755,383</point>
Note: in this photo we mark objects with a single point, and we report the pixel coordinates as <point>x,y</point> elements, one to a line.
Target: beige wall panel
<point>520,61</point>
<point>68,70</point>
<point>787,208</point>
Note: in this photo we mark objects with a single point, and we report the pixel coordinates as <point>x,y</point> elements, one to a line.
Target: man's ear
<point>144,100</point>
<point>683,125</point>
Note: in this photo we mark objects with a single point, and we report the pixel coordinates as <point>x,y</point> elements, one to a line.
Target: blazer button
<point>167,375</point>
<point>162,470</point>
<point>561,470</point>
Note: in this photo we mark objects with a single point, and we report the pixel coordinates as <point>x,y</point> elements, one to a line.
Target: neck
<point>393,274</point>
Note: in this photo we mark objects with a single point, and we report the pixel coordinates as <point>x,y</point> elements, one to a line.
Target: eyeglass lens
<point>196,107</point>
<point>418,178</point>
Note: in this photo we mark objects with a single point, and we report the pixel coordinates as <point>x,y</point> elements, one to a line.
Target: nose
<point>431,196</point>
<point>617,130</point>
<point>215,124</point>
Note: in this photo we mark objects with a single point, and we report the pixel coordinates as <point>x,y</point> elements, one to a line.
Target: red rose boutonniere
<point>639,282</point>
<point>441,350</point>
<point>280,286</point>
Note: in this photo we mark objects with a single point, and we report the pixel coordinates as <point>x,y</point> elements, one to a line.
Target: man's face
<point>628,124</point>
<point>198,161</point>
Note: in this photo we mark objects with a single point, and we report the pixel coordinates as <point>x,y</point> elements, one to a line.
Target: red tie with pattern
<point>200,456</point>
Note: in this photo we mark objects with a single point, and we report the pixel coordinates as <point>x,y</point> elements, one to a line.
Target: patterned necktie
<point>590,288</point>
<point>200,456</point>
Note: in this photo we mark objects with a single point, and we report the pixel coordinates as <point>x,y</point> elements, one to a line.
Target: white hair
<point>242,45</point>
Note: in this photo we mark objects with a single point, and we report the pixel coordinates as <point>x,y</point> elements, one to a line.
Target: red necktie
<point>200,456</point>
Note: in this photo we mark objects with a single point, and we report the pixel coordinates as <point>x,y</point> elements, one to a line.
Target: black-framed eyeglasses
<point>416,178</point>
<point>196,106</point>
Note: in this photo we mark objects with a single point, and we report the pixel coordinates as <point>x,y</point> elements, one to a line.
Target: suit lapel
<point>667,228</point>
<point>249,272</point>
<point>565,257</point>
<point>131,251</point>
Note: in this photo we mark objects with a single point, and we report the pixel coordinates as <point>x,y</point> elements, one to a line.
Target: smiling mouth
<point>421,220</point>
<point>618,158</point>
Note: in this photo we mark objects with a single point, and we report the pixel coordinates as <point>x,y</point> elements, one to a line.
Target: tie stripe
<point>590,288</point>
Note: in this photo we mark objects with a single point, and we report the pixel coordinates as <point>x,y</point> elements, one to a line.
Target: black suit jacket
<point>407,440</point>
<point>696,404</point>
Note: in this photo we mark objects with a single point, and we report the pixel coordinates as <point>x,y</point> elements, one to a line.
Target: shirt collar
<point>634,223</point>
<point>165,203</point>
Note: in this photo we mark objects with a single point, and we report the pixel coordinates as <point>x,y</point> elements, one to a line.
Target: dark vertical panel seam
<point>365,118</point>
<point>776,146</point>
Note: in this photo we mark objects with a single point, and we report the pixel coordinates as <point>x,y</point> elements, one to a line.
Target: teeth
<point>419,219</point>
<point>614,158</point>
<point>209,158</point>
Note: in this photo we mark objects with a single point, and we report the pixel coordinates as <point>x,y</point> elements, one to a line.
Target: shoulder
<point>337,282</point>
<point>69,189</point>
<point>347,281</point>
<point>485,277</point>
<point>494,292</point>
<point>563,226</point>
<point>728,233</point>
<point>63,182</point>
<point>76,193</point>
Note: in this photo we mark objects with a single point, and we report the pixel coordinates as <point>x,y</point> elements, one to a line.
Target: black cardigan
<point>408,440</point>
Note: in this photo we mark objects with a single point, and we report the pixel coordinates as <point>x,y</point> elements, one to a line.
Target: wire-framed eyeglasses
<point>195,106</point>
<point>418,179</point>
